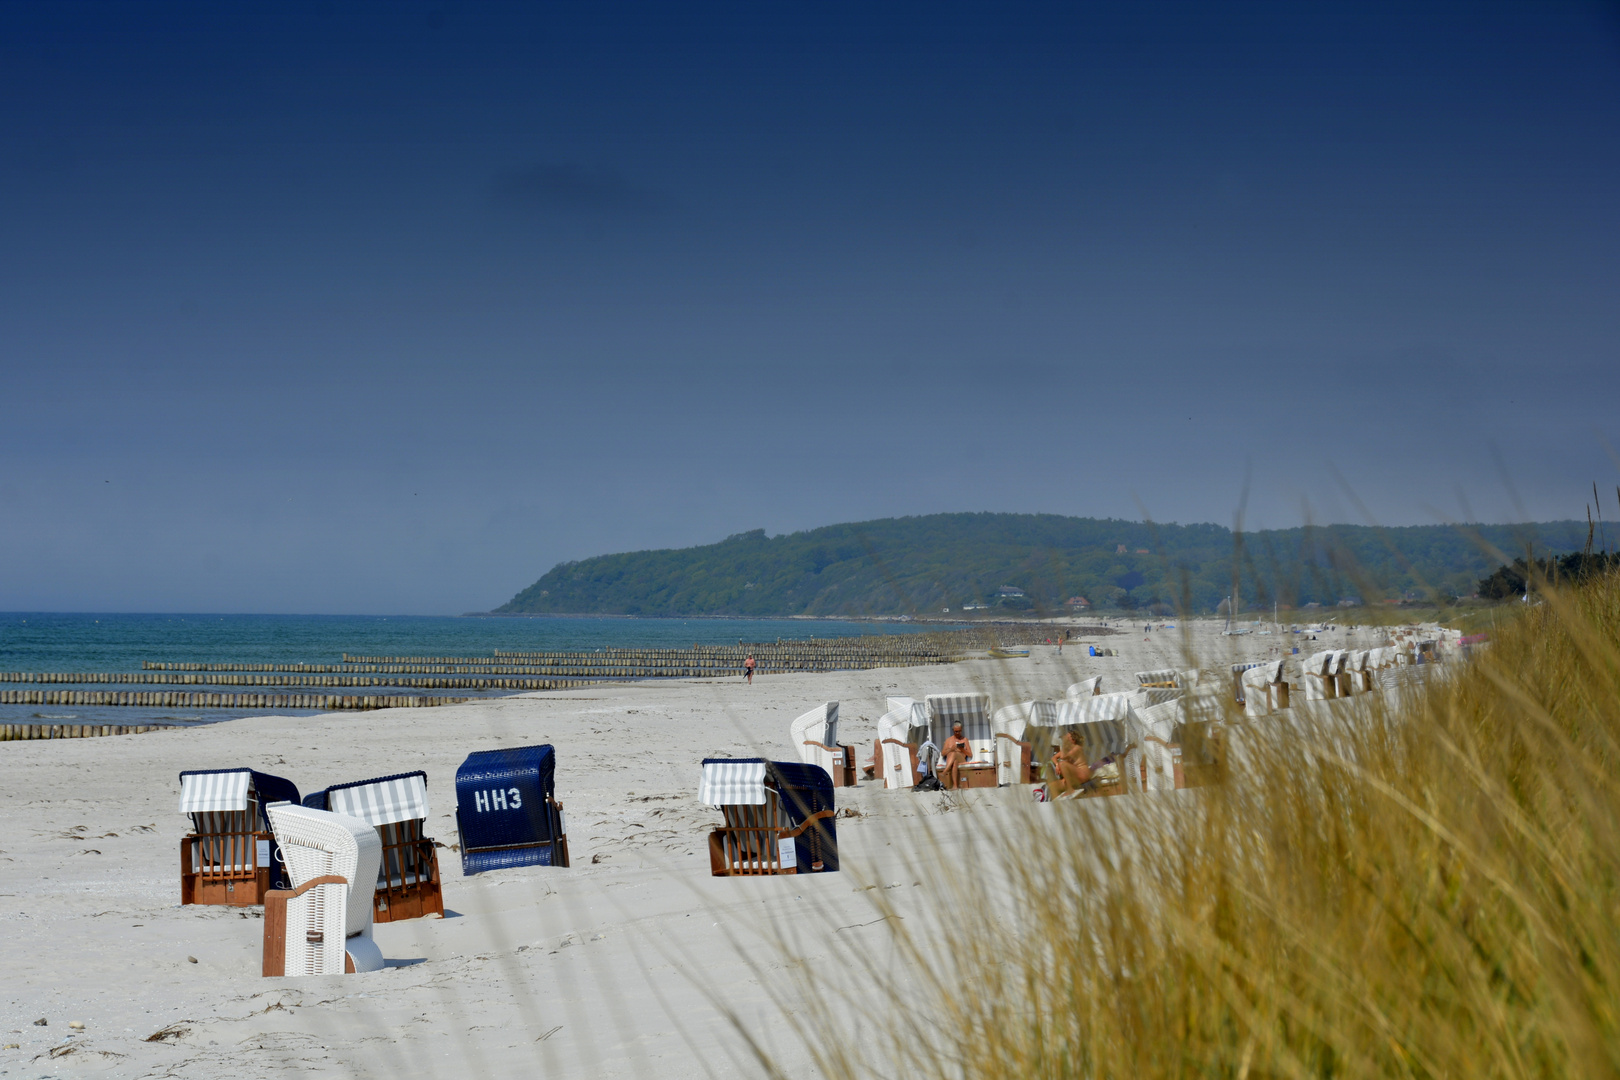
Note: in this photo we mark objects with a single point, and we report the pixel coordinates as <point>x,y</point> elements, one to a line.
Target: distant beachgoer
<point>748,668</point>
<point>958,751</point>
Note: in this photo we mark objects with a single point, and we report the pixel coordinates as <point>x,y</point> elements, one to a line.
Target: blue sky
<point>389,308</point>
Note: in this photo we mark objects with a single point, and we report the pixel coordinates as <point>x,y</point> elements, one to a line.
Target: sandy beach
<point>623,965</point>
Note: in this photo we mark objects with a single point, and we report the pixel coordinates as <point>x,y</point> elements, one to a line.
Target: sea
<point>117,643</point>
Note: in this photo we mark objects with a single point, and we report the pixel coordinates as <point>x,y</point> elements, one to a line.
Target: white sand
<point>615,967</point>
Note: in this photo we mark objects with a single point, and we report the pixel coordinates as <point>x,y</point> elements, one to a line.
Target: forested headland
<point>1038,563</point>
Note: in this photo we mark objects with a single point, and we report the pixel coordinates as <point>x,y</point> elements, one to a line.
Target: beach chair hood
<point>382,800</point>
<point>504,809</point>
<point>205,791</point>
<point>972,711</point>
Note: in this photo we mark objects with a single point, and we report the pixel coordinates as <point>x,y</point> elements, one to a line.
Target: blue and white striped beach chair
<point>230,856</point>
<point>408,885</point>
<point>778,817</point>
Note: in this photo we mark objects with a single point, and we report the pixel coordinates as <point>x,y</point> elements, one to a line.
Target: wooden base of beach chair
<point>208,884</point>
<point>275,925</point>
<point>721,866</point>
<point>846,775</point>
<point>410,886</point>
<point>397,903</point>
<point>977,776</point>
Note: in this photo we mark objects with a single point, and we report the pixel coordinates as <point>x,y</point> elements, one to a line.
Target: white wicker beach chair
<point>322,925</point>
<point>901,732</point>
<point>1264,690</point>
<point>1321,674</point>
<point>1015,761</point>
<point>815,739</point>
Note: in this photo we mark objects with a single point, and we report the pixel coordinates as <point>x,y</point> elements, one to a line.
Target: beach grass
<point>1425,884</point>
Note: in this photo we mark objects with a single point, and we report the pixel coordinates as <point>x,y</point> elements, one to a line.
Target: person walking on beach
<point>748,668</point>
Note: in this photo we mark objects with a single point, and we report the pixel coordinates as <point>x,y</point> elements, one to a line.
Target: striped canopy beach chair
<point>507,813</point>
<point>972,711</point>
<point>815,740</point>
<point>1107,727</point>
<point>778,817</point>
<point>230,856</point>
<point>408,885</point>
<point>322,924</point>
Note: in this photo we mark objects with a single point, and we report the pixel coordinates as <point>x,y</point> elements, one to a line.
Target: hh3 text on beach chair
<point>815,739</point>
<point>396,806</point>
<point>322,925</point>
<point>230,856</point>
<point>779,817</point>
<point>506,811</point>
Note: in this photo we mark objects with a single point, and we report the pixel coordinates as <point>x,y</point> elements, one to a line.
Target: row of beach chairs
<point>1143,738</point>
<point>330,866</point>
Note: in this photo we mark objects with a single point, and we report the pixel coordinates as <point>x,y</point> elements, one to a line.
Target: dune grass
<point>1421,885</point>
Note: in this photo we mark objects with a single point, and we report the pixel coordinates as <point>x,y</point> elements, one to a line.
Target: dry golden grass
<point>1427,886</point>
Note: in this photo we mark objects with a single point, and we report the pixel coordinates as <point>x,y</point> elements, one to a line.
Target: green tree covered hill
<point>924,564</point>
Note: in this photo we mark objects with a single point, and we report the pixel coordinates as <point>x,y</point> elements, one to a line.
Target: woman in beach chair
<point>322,924</point>
<point>230,856</point>
<point>778,817</point>
<point>408,885</point>
<point>1070,770</point>
<point>506,811</point>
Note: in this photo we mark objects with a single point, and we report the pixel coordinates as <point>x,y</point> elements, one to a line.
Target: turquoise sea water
<point>40,641</point>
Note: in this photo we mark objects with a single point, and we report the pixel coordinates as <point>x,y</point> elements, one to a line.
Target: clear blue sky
<point>390,307</point>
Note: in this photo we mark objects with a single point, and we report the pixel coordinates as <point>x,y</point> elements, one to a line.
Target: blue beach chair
<point>230,856</point>
<point>507,812</point>
<point>408,885</point>
<point>779,817</point>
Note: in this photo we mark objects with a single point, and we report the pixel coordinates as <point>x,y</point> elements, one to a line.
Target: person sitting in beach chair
<point>956,752</point>
<point>408,885</point>
<point>778,817</point>
<point>977,766</point>
<point>506,812</point>
<point>1071,772</point>
<point>322,924</point>
<point>230,856</point>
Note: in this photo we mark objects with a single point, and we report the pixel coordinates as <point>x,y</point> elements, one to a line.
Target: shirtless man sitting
<point>957,752</point>
<point>1069,766</point>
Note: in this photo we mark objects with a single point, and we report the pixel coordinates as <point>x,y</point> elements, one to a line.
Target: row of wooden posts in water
<point>16,732</point>
<point>150,678</point>
<point>172,699</point>
<point>533,670</point>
